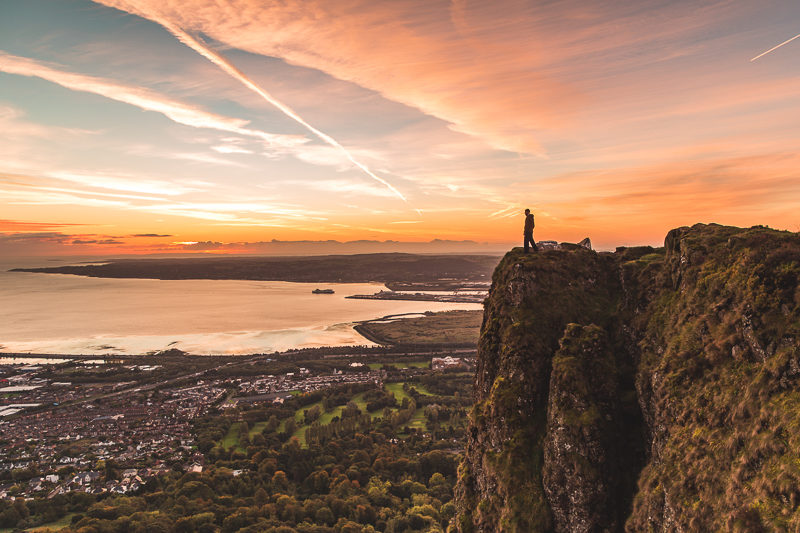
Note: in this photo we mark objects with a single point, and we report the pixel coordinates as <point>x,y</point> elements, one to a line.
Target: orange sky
<point>140,126</point>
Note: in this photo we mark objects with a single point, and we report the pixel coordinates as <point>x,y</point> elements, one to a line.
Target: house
<point>443,363</point>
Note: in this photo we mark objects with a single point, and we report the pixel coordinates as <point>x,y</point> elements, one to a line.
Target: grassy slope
<point>714,325</point>
<point>720,365</point>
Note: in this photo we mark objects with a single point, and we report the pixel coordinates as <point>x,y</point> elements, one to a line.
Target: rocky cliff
<point>642,390</point>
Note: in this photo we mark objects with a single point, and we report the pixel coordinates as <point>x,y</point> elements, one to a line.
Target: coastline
<point>94,317</point>
<point>373,338</point>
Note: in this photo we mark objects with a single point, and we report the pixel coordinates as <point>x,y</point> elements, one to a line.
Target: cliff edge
<point>642,390</point>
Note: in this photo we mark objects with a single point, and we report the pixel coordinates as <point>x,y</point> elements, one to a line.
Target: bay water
<point>67,314</point>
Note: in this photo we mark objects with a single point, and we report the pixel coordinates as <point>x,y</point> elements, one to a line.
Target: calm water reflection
<point>54,313</point>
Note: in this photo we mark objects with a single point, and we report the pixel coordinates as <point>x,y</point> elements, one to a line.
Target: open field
<point>449,327</point>
<point>400,394</point>
<point>231,439</point>
<point>417,421</point>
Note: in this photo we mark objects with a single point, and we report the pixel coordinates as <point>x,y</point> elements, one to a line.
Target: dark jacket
<point>529,223</point>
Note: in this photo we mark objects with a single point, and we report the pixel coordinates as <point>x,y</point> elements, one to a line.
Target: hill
<point>359,268</point>
<point>642,390</point>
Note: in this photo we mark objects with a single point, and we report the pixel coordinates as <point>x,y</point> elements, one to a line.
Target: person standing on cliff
<point>528,232</point>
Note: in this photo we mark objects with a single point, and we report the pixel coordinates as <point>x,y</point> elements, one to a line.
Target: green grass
<point>417,421</point>
<point>328,416</point>
<point>231,439</point>
<point>300,433</point>
<point>397,390</point>
<point>399,393</point>
<point>257,428</point>
<point>298,415</point>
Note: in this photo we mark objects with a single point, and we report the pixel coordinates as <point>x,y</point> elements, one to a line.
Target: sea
<point>73,315</point>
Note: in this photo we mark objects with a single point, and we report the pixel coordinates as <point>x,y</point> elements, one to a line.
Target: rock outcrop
<point>580,474</point>
<point>641,390</point>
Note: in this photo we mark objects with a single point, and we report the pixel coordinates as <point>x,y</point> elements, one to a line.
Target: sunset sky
<point>150,126</point>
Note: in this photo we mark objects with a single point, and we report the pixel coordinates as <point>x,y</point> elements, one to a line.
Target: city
<point>107,426</point>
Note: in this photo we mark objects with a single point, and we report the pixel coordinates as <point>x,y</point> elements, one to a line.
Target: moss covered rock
<point>580,473</point>
<point>699,341</point>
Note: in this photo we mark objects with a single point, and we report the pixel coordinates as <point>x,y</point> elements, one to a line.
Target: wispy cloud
<point>124,183</point>
<point>155,198</point>
<point>197,44</point>
<point>199,157</point>
<point>21,226</point>
<point>336,186</point>
<point>146,99</point>
<point>511,76</point>
<point>43,236</point>
<point>231,149</point>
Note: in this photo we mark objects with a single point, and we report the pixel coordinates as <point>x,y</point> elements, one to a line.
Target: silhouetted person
<point>528,232</point>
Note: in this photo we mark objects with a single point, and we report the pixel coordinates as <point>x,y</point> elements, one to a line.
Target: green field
<point>257,428</point>
<point>231,439</point>
<point>399,393</point>
<point>417,421</point>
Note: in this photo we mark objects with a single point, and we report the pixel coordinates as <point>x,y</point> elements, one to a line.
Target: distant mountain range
<point>277,247</point>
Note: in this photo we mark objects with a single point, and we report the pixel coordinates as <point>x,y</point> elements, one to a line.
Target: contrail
<point>227,66</point>
<point>776,47</point>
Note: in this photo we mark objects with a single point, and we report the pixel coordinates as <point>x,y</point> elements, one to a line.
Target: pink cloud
<point>511,74</point>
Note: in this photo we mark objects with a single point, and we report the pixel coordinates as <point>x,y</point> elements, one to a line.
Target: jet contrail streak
<point>776,47</point>
<point>234,72</point>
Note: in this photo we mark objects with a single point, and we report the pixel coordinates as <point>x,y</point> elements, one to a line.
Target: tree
<point>311,415</point>
<point>290,427</point>
<point>279,481</point>
<point>324,516</point>
<point>261,497</point>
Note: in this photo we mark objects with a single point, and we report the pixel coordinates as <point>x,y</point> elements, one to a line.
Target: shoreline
<point>380,345</point>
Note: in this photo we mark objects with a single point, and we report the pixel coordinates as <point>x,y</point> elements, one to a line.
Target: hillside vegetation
<point>642,390</point>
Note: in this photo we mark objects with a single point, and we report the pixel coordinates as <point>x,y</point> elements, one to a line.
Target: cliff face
<point>580,473</point>
<point>644,390</point>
